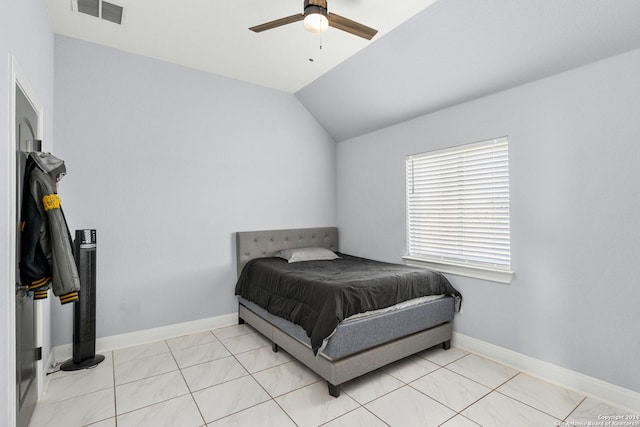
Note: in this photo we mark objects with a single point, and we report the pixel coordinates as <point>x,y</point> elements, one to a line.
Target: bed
<point>356,344</point>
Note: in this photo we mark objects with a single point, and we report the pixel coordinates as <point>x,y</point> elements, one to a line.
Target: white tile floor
<point>230,377</point>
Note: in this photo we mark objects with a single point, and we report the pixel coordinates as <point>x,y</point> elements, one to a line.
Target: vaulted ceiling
<point>214,36</point>
<point>428,54</point>
<point>459,50</point>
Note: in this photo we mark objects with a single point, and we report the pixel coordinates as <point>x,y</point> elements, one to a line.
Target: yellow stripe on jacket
<point>50,201</point>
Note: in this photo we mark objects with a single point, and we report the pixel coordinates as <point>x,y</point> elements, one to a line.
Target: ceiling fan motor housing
<point>315,6</point>
<point>316,19</point>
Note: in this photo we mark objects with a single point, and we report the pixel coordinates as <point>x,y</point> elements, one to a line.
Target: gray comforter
<point>317,295</point>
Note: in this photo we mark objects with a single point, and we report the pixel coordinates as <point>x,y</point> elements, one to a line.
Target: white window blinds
<point>458,205</point>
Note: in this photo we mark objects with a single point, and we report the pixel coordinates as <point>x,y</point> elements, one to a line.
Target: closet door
<point>26,352</point>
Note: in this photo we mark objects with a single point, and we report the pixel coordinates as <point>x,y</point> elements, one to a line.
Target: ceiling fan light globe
<point>316,22</point>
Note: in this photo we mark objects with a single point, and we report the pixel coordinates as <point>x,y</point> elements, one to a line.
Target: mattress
<point>318,295</point>
<point>363,333</point>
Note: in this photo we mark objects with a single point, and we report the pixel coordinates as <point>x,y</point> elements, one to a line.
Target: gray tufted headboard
<point>260,244</point>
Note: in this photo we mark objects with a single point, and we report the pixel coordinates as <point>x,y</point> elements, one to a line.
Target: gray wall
<point>574,213</point>
<point>167,163</point>
<point>33,50</point>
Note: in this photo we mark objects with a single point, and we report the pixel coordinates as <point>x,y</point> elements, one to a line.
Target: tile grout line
<point>273,399</point>
<point>516,399</point>
<point>367,409</point>
<point>441,367</point>
<point>575,409</point>
<point>252,373</point>
<point>491,390</point>
<point>406,384</point>
<point>187,384</point>
<point>530,405</point>
<point>113,374</point>
<point>164,373</point>
<point>157,375</point>
<point>459,413</point>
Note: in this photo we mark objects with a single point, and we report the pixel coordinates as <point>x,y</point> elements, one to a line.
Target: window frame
<point>462,267</point>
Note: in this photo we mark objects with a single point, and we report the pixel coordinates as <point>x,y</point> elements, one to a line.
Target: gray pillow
<point>306,254</point>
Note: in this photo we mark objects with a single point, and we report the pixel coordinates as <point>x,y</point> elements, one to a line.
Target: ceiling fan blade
<point>278,23</point>
<point>353,27</point>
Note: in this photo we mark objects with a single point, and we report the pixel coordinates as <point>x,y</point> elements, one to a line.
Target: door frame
<point>18,78</point>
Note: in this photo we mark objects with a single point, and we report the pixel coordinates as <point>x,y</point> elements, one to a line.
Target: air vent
<point>90,7</point>
<point>100,9</point>
<point>112,12</point>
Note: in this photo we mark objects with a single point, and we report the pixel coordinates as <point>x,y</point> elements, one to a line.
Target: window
<point>458,210</point>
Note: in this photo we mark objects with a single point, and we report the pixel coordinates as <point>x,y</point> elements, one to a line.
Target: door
<point>26,354</point>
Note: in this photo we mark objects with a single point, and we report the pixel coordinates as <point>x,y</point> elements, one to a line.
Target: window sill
<point>499,276</point>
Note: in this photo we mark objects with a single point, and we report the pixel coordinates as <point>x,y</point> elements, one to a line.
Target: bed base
<point>339,371</point>
<point>265,243</point>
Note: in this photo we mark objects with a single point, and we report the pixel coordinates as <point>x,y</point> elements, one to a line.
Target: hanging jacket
<point>46,257</point>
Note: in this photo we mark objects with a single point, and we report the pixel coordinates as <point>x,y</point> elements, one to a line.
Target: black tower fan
<point>84,310</point>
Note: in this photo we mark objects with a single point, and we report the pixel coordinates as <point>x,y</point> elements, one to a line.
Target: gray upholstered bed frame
<point>257,244</point>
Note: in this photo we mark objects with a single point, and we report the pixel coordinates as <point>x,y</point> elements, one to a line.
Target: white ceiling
<point>213,35</point>
<point>445,52</point>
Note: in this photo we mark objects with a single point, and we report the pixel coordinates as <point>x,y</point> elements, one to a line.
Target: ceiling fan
<point>317,19</point>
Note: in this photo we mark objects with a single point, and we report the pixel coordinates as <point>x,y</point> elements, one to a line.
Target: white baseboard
<point>601,390</point>
<point>44,379</point>
<point>114,342</point>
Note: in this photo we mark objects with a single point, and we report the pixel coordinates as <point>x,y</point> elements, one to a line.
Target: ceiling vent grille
<point>100,9</point>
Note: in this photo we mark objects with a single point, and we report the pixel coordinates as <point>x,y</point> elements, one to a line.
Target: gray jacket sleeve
<point>54,237</point>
